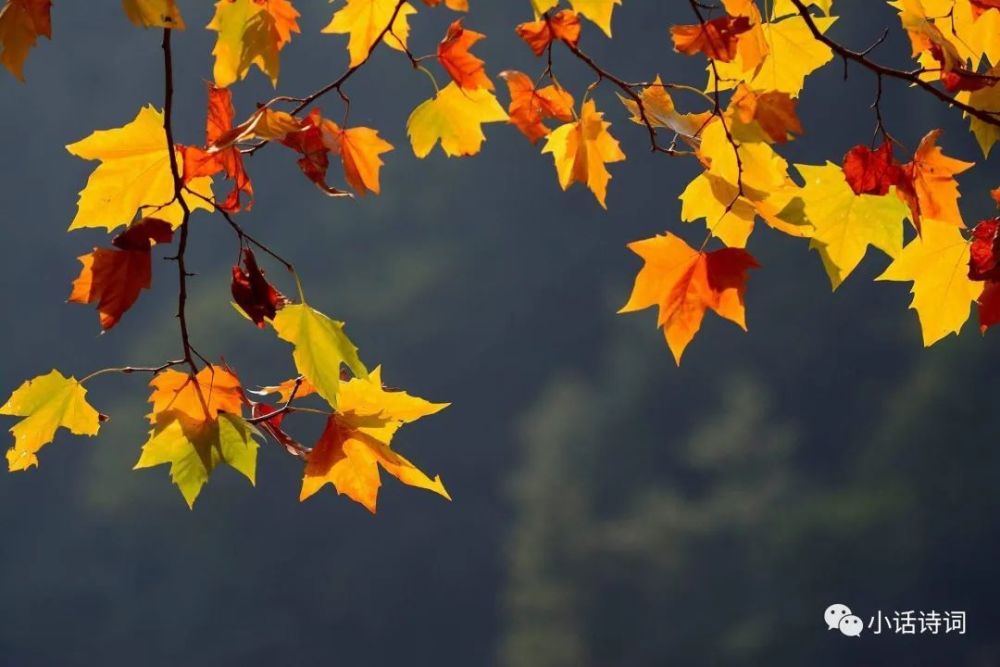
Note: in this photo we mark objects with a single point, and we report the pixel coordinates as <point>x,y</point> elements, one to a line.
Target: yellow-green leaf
<point>455,118</point>
<point>47,403</point>
<point>321,347</point>
<point>194,448</point>
<point>845,224</point>
<point>133,176</point>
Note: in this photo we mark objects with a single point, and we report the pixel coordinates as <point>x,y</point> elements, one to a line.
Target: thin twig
<point>913,78</point>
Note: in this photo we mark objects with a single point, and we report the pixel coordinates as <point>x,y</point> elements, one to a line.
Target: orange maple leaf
<point>113,278</point>
<point>530,106</point>
<point>929,186</point>
<point>198,397</point>
<point>773,110</point>
<point>539,34</point>
<point>717,38</point>
<point>684,282</point>
<point>213,159</point>
<point>468,71</point>
<point>356,443</point>
<point>21,23</point>
<point>359,149</point>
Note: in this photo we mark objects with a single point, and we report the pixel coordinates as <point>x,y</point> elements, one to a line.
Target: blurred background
<point>610,509</point>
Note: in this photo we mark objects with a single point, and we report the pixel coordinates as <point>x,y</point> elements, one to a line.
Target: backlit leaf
<point>47,403</point>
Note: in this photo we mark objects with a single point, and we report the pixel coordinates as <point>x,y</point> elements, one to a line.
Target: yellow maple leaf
<point>661,112</point>
<point>455,118</point>
<point>792,54</point>
<point>986,99</point>
<point>251,32</point>
<point>598,11</point>
<point>21,23</point>
<point>366,20</point>
<point>47,403</point>
<point>581,150</point>
<point>321,347</point>
<point>356,442</point>
<point>542,6</point>
<point>715,195</point>
<point>785,7</point>
<point>134,176</point>
<point>154,13</point>
<point>937,263</point>
<point>845,224</point>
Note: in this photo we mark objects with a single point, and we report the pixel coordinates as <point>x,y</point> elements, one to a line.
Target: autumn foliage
<point>733,125</point>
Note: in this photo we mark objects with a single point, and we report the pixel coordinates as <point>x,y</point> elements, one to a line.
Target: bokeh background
<point>610,509</point>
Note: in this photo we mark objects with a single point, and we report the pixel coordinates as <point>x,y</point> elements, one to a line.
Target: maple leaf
<point>21,23</point>
<point>753,46</point>
<point>154,14</point>
<point>455,118</point>
<point>134,176</point>
<point>321,347</point>
<point>786,54</point>
<point>984,252</point>
<point>925,35</point>
<point>731,193</point>
<point>717,38</point>
<point>47,403</point>
<point>661,112</point>
<point>197,424</point>
<point>456,5</point>
<point>114,278</point>
<point>539,35</point>
<point>465,69</point>
<point>785,7</point>
<point>989,306</point>
<point>194,449</point>
<point>200,162</point>
<point>316,138</point>
<point>930,188</point>
<point>300,386</point>
<point>845,224</point>
<point>251,291</point>
<point>683,283</point>
<point>581,150</point>
<point>355,443</point>
<point>871,172</point>
<point>529,106</point>
<point>366,20</point>
<point>359,149</point>
<point>773,111</point>
<point>598,11</point>
<point>986,99</point>
<point>937,263</point>
<point>251,32</point>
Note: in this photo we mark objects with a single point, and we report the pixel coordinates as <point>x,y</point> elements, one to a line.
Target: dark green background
<point>609,508</point>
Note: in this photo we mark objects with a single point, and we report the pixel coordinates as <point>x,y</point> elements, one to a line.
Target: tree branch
<point>861,58</point>
<point>182,273</point>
